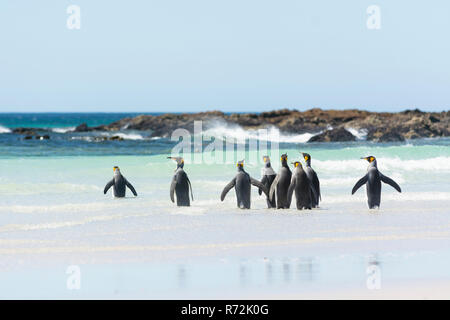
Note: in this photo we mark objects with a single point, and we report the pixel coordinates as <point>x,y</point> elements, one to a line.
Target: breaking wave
<point>128,136</point>
<point>271,134</point>
<point>4,130</point>
<point>438,164</point>
<point>63,130</point>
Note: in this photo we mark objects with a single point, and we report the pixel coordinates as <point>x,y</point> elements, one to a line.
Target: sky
<point>233,55</point>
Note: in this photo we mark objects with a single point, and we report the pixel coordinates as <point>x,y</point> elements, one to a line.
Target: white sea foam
<point>128,136</point>
<point>63,130</point>
<point>4,130</point>
<point>46,188</point>
<point>272,134</point>
<point>360,134</point>
<point>125,136</point>
<point>360,195</point>
<point>64,208</point>
<point>441,164</point>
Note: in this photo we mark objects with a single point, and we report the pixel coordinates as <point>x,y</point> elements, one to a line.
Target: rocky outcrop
<point>334,135</point>
<point>380,126</point>
<point>82,128</point>
<point>30,133</point>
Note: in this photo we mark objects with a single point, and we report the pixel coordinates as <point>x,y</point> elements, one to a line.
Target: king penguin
<point>302,187</point>
<point>281,184</point>
<point>373,180</point>
<point>312,176</point>
<point>242,184</point>
<point>180,184</point>
<point>268,175</point>
<point>119,184</point>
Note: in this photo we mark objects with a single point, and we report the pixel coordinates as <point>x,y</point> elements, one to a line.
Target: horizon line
<point>218,110</point>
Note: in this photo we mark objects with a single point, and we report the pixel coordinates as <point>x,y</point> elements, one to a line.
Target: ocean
<point>54,218</point>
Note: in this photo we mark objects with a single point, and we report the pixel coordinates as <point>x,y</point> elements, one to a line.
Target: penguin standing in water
<point>312,176</point>
<point>373,180</point>
<point>268,175</point>
<point>119,184</point>
<point>281,184</point>
<point>180,184</point>
<point>302,187</point>
<point>242,184</point>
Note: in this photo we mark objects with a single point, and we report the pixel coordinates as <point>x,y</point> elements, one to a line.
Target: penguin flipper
<point>190,187</point>
<point>172,189</point>
<point>360,182</point>
<point>227,188</point>
<point>108,185</point>
<point>263,181</point>
<point>316,185</point>
<point>273,187</point>
<point>258,184</point>
<point>291,191</point>
<point>130,186</point>
<point>390,182</point>
<point>313,190</point>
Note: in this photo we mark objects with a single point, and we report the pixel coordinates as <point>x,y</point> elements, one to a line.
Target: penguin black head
<point>297,164</point>
<point>284,159</point>
<point>307,158</point>
<point>178,160</point>
<point>266,160</point>
<point>240,165</point>
<point>370,159</point>
<point>116,169</point>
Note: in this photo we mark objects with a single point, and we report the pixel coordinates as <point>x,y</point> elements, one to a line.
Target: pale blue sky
<point>232,55</point>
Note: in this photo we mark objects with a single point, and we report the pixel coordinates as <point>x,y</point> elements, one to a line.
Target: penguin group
<point>278,188</point>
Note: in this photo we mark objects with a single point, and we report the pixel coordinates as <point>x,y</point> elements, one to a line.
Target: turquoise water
<point>53,214</point>
<point>61,120</point>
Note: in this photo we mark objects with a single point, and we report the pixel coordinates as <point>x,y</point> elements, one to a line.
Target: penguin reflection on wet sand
<point>281,184</point>
<point>119,184</point>
<point>312,176</point>
<point>242,184</point>
<point>180,184</point>
<point>268,175</point>
<point>302,187</point>
<point>373,180</point>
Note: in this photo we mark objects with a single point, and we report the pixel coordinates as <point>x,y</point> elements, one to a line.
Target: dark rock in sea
<point>102,138</point>
<point>82,128</point>
<point>433,119</point>
<point>26,131</point>
<point>338,134</point>
<point>28,137</point>
<point>116,138</point>
<point>44,137</point>
<point>391,137</point>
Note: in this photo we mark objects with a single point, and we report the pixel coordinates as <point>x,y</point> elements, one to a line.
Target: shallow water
<point>53,214</point>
